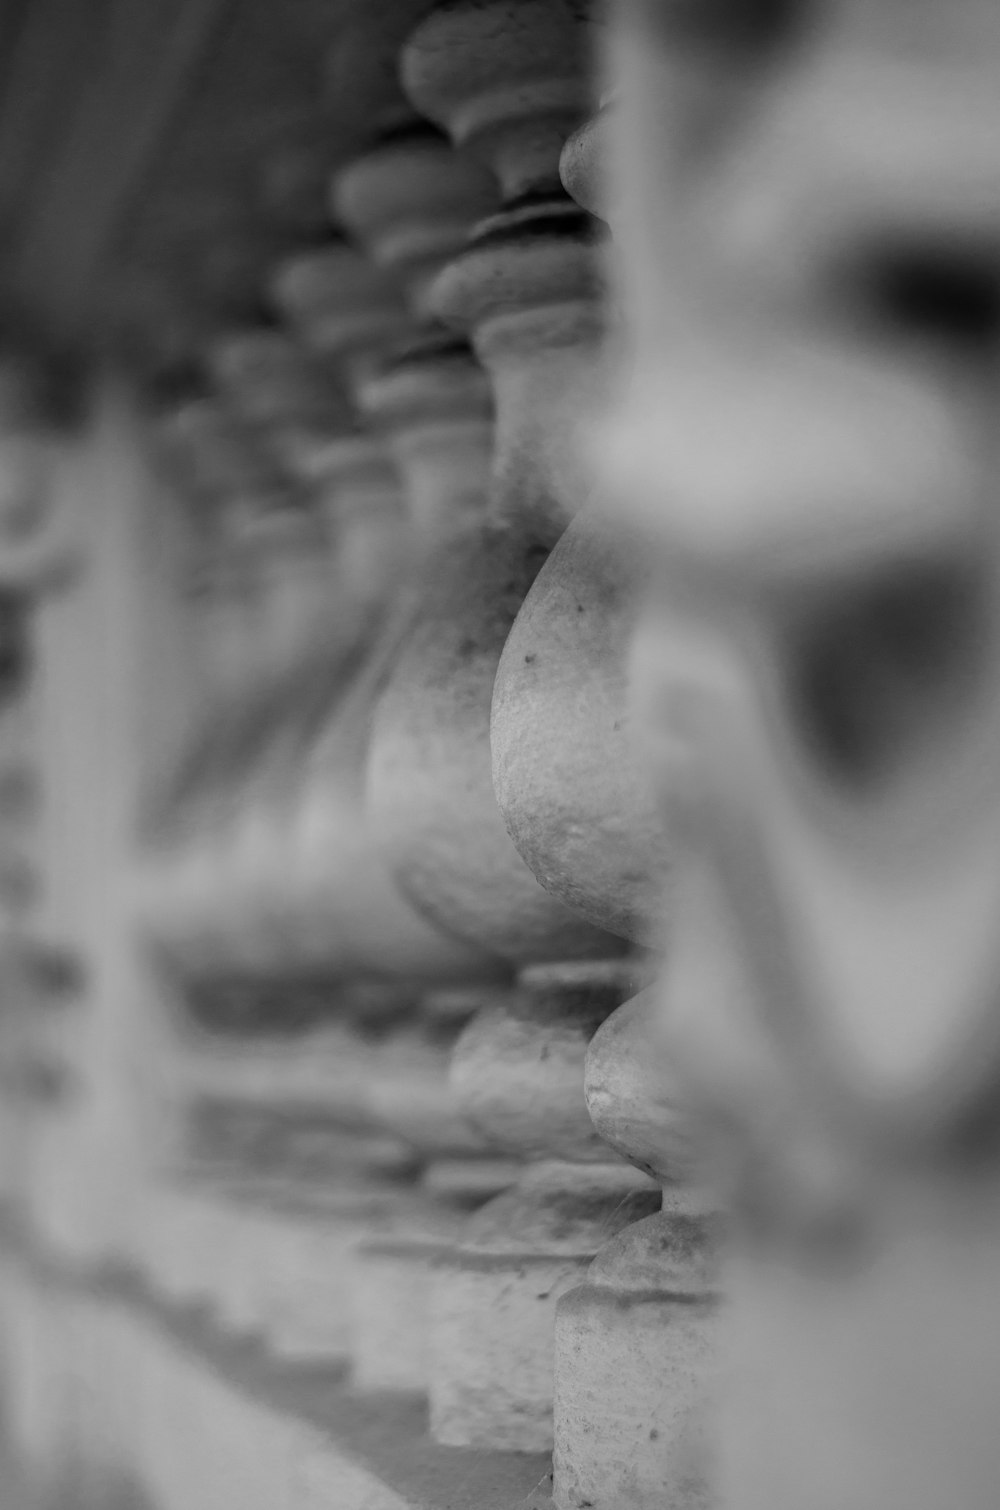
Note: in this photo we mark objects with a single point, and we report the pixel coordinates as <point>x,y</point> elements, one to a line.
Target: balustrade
<point>464,801</point>
<point>574,898</point>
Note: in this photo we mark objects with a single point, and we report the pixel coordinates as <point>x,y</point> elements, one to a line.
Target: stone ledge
<point>99,1368</point>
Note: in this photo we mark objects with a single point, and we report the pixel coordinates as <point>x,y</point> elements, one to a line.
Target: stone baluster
<point>429,785</point>
<point>518,1072</point>
<point>322,607</point>
<point>429,788</point>
<point>803,215</point>
<point>342,911</point>
<point>412,201</point>
<point>635,1344</point>
<point>527,288</point>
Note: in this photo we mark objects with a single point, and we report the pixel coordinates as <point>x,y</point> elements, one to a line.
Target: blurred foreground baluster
<point>807,225</point>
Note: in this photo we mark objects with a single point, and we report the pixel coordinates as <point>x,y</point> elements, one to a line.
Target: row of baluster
<point>452,793</point>
<point>414,828</point>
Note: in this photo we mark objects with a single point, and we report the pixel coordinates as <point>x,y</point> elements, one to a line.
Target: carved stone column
<point>509,83</point>
<point>412,200</point>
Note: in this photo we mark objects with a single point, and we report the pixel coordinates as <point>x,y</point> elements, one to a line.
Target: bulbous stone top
<point>507,78</point>
<point>412,201</point>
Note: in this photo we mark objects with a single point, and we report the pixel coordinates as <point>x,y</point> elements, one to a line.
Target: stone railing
<point>574,899</point>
